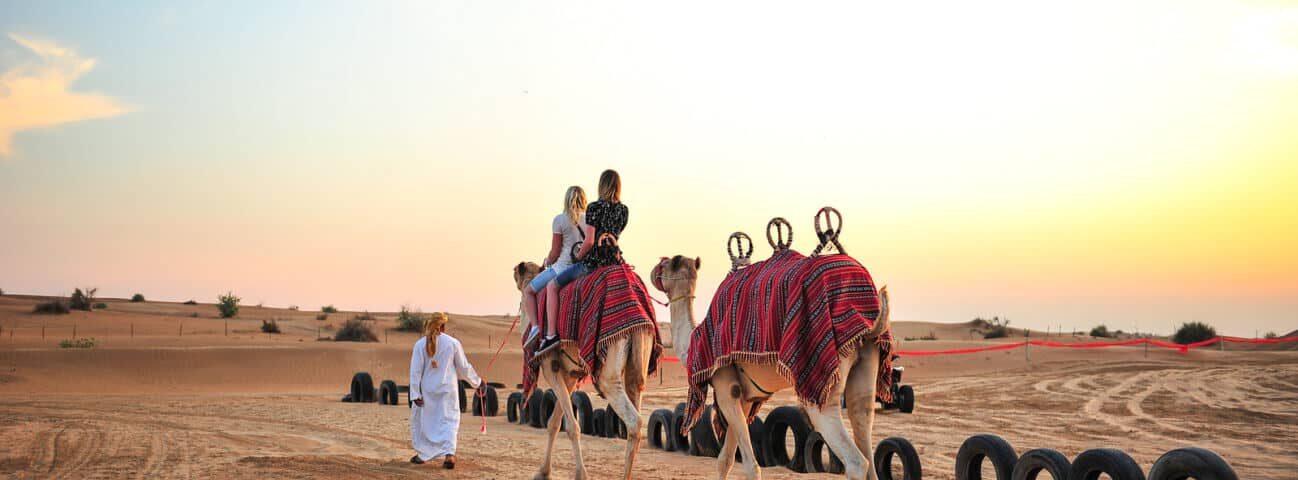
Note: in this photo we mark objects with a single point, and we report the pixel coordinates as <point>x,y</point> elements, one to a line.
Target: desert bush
<point>1271,336</point>
<point>363,316</point>
<point>271,326</point>
<point>1192,332</point>
<point>410,320</point>
<point>1101,331</point>
<point>193,315</point>
<point>78,343</point>
<point>322,317</point>
<point>931,336</point>
<point>137,298</point>
<point>55,306</point>
<point>228,304</point>
<point>82,300</point>
<point>101,306</point>
<point>191,302</point>
<point>997,327</point>
<point>356,330</point>
<point>328,309</point>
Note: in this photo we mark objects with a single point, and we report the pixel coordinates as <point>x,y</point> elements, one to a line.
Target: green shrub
<point>356,330</point>
<point>82,300</point>
<point>410,320</point>
<point>228,304</point>
<point>997,327</point>
<point>269,327</point>
<point>78,343</point>
<point>101,306</point>
<point>191,302</point>
<point>322,316</point>
<point>137,298</point>
<point>1192,332</point>
<point>55,306</point>
<point>1101,331</point>
<point>1271,336</point>
<point>328,309</point>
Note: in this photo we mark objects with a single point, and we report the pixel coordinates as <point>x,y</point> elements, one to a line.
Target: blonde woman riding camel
<point>567,235</point>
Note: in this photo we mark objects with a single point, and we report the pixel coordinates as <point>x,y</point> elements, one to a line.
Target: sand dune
<point>197,397</point>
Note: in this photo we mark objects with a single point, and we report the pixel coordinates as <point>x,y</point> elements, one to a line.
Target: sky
<point>1062,164</point>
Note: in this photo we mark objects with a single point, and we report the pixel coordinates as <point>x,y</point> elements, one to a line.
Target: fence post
<point>385,335</point>
<point>74,331</point>
<point>227,328</point>
<point>1146,348</point>
<point>132,329</point>
<point>181,332</point>
<point>1027,345</point>
<point>42,332</point>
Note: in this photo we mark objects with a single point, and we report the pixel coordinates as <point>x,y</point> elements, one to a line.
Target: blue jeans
<point>570,274</point>
<point>554,273</point>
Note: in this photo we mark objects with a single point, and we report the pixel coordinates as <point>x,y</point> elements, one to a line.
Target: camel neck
<point>682,312</point>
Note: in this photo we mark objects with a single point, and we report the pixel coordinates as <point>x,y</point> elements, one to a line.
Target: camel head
<point>524,272</point>
<point>676,276</point>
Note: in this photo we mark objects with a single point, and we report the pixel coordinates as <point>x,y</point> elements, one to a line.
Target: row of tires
<point>536,412</point>
<point>361,390</point>
<point>1179,464</point>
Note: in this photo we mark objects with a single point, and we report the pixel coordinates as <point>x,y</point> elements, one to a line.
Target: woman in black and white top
<point>609,216</point>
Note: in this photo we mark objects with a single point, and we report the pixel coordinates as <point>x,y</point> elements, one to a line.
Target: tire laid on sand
<point>1198,463</point>
<point>487,405</point>
<point>388,392</point>
<point>597,420</point>
<point>703,439</point>
<point>536,409</point>
<point>464,401</point>
<point>613,424</point>
<point>985,446</point>
<point>779,423</point>
<point>1110,461</point>
<point>496,385</point>
<point>657,431</point>
<point>905,399</point>
<point>1033,462</point>
<point>362,388</point>
<point>547,408</point>
<point>678,441</point>
<point>511,406</point>
<point>582,408</point>
<point>814,449</point>
<point>757,435</point>
<point>902,449</point>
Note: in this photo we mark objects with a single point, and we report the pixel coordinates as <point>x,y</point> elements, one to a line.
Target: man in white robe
<point>434,389</point>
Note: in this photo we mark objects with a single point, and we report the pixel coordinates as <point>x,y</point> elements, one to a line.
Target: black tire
<point>657,430</point>
<point>547,408</point>
<point>388,392</point>
<point>486,405</point>
<point>905,399</point>
<point>1117,465</point>
<point>598,418</point>
<point>703,439</point>
<point>362,388</point>
<point>1033,462</point>
<point>778,424</point>
<point>969,460</point>
<point>757,435</point>
<point>465,384</point>
<point>511,406</point>
<point>901,448</point>
<point>1197,463</point>
<point>464,401</point>
<point>581,407</point>
<point>680,441</point>
<point>347,398</point>
<point>814,448</point>
<point>614,426</point>
<point>496,385</point>
<point>536,409</point>
<point>395,395</point>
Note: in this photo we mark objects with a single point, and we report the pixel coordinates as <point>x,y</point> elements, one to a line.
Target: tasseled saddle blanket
<point>608,304</point>
<point>799,313</point>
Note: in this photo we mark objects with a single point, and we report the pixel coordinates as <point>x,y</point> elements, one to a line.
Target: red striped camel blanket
<point>799,313</point>
<point>595,310</point>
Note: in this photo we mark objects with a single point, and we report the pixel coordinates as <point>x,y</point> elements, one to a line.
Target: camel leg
<point>860,399</point>
<point>612,384</point>
<point>570,418</point>
<point>828,420</point>
<point>561,391</point>
<point>731,406</point>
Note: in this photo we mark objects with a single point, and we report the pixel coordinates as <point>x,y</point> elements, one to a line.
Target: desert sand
<point>167,394</point>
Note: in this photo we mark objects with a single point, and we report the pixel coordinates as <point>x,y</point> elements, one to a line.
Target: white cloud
<point>36,94</point>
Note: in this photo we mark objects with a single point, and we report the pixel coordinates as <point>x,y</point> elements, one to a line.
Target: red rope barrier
<point>482,392</point>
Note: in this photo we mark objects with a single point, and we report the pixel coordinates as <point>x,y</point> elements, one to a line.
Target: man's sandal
<point>415,460</point>
<point>449,463</point>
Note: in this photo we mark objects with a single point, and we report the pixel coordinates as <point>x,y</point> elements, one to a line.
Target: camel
<point>621,380</point>
<point>736,386</point>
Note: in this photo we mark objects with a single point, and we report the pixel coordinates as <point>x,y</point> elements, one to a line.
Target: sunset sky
<point>1117,162</point>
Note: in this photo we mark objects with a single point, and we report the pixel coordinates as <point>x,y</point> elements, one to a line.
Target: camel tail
<point>883,322</point>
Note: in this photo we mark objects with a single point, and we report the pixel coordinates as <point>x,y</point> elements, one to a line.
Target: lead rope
<point>482,392</point>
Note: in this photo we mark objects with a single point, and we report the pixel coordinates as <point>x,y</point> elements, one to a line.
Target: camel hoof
<point>541,476</point>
